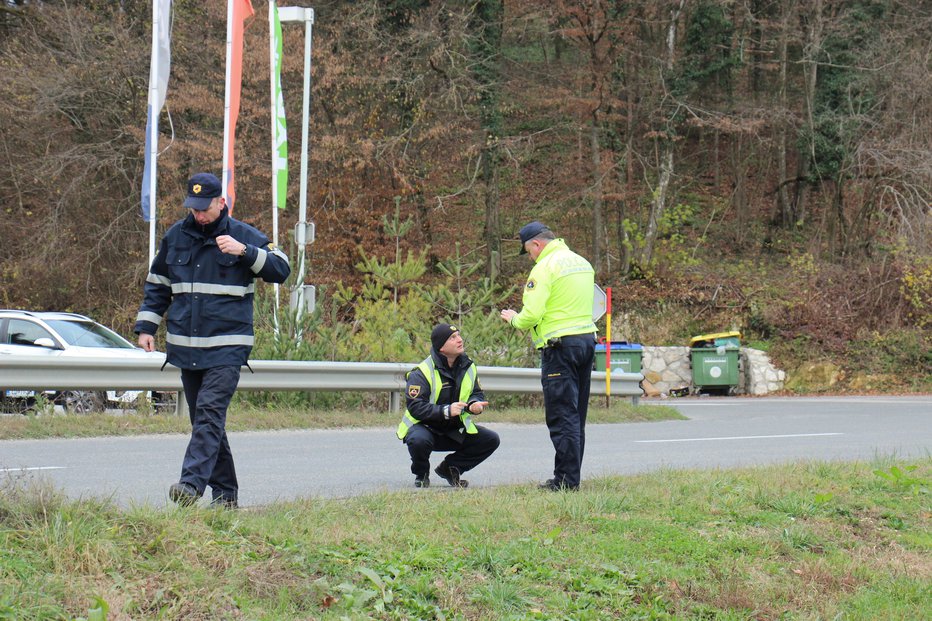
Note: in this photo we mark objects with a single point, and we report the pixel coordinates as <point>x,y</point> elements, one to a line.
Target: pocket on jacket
<point>179,264</point>
<point>227,260</point>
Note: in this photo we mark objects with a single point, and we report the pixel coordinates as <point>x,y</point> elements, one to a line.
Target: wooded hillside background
<point>762,165</point>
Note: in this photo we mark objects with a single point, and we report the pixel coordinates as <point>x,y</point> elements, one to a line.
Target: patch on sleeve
<point>413,391</point>
<point>531,284</point>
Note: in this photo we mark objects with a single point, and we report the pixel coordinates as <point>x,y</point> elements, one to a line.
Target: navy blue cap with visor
<point>203,188</point>
<point>530,231</point>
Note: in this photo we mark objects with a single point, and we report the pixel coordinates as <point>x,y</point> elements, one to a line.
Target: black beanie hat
<point>440,334</point>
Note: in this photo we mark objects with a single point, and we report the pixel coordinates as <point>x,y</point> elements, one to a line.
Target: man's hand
<point>476,407</point>
<point>228,245</point>
<point>508,314</point>
<point>146,341</point>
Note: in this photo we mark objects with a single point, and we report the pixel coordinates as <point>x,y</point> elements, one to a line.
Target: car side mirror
<point>45,342</point>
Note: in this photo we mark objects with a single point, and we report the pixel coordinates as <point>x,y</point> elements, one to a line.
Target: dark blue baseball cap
<point>202,189</point>
<point>530,231</point>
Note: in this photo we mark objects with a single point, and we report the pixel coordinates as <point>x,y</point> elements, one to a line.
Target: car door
<point>19,336</point>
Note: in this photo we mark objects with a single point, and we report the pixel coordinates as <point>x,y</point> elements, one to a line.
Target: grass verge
<point>803,541</point>
<point>14,427</point>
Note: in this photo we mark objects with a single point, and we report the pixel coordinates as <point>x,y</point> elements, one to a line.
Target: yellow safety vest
<point>429,370</point>
<point>558,296</point>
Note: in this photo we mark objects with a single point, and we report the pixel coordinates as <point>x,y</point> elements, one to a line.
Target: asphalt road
<point>721,432</point>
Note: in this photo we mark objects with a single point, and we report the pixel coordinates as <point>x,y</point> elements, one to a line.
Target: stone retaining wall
<point>668,368</point>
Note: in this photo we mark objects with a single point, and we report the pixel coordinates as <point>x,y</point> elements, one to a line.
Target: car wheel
<point>81,401</point>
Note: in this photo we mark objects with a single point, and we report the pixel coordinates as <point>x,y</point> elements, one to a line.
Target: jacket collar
<point>440,361</point>
<point>550,248</point>
<point>220,226</point>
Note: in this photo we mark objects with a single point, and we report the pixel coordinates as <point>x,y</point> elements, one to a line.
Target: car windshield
<point>88,334</point>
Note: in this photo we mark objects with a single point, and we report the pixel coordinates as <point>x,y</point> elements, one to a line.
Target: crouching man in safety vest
<point>443,396</point>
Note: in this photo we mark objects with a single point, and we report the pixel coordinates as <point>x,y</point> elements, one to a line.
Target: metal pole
<point>153,128</point>
<point>608,346</point>
<point>274,110</point>
<point>305,122</point>
<point>293,14</point>
<point>225,172</point>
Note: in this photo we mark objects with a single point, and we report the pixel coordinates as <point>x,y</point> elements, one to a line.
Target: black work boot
<point>184,494</point>
<point>224,502</point>
<point>421,480</point>
<point>557,486</point>
<point>451,474</point>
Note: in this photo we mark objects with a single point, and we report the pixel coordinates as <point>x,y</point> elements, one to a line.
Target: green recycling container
<point>626,356</point>
<point>714,360</point>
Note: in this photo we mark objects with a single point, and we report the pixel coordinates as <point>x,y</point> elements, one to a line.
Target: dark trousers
<point>566,373</point>
<point>208,460</point>
<point>474,449</point>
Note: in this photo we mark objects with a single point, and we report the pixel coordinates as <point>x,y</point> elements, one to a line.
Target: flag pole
<point>227,130</point>
<point>273,49</point>
<point>153,136</point>
<point>301,293</point>
<point>305,122</point>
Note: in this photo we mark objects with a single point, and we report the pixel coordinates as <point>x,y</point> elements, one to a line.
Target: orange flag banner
<point>237,13</point>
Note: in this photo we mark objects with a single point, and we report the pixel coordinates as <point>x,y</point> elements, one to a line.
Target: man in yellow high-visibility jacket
<point>443,395</point>
<point>557,311</point>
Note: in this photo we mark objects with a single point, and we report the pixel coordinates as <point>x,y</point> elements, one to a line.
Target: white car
<point>68,334</point>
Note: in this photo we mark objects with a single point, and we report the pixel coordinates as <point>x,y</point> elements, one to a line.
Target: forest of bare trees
<point>765,164</point>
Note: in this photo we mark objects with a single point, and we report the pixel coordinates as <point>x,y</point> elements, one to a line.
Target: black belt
<point>557,341</point>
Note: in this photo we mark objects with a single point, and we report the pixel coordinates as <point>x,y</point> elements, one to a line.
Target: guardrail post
<point>394,401</point>
<point>181,405</point>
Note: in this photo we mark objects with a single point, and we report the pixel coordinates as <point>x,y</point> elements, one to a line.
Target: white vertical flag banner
<point>159,67</point>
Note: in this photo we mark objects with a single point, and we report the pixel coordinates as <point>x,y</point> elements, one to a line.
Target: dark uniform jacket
<point>432,415</point>
<point>207,294</point>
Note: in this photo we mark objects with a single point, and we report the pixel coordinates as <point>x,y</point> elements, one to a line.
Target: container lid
<point>620,345</point>
<point>712,337</point>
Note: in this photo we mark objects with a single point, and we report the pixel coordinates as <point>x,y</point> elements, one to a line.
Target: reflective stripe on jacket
<point>205,295</point>
<point>428,369</point>
<point>558,295</point>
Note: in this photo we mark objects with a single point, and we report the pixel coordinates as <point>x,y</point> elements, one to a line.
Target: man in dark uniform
<point>557,312</point>
<point>203,277</point>
<point>443,394</point>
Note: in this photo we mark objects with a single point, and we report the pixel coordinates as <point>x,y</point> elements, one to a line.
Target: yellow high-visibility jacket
<point>431,374</point>
<point>558,295</point>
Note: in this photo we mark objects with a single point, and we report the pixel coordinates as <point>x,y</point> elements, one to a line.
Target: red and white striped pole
<point>608,346</point>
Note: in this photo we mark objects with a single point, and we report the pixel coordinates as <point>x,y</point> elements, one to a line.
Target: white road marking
<point>789,435</point>
<point>738,401</point>
<point>26,469</point>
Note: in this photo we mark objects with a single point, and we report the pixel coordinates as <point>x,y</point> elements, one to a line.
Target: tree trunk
<point>784,207</point>
<point>624,241</point>
<point>493,224</point>
<point>739,199</point>
<point>810,55</point>
<point>659,203</point>
<point>486,44</point>
<point>838,205</point>
<point>597,194</point>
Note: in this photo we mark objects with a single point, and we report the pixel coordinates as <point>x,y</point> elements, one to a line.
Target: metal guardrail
<point>94,373</point>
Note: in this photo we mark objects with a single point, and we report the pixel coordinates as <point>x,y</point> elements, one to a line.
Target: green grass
<point>804,541</point>
<point>250,418</point>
